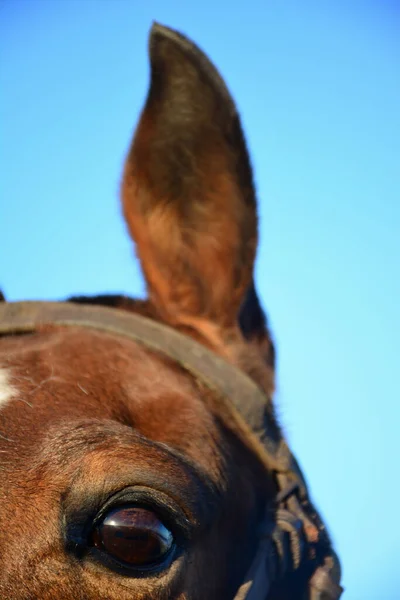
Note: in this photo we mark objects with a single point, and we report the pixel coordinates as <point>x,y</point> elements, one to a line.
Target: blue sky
<point>318,86</point>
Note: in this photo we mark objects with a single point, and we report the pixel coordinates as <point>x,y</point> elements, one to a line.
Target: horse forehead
<point>74,374</point>
<point>73,355</point>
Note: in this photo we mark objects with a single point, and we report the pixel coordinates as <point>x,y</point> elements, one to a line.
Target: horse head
<point>140,453</point>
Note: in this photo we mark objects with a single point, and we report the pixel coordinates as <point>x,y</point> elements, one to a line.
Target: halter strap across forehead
<point>232,384</point>
<point>246,402</point>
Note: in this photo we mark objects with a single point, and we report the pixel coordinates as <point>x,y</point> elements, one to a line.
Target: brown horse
<point>140,454</point>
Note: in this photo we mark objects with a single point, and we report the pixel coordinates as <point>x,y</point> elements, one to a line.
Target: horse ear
<point>188,194</point>
<point>254,327</point>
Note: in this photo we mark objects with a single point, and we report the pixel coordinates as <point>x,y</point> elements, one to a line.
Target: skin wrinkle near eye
<point>97,434</point>
<point>156,586</point>
<point>140,475</point>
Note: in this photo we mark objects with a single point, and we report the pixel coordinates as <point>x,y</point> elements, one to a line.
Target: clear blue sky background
<point>318,85</point>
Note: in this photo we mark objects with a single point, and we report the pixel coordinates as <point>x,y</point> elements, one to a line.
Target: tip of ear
<point>170,49</point>
<point>162,33</point>
<point>159,30</point>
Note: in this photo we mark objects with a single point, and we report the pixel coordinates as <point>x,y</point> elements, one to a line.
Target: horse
<point>140,453</point>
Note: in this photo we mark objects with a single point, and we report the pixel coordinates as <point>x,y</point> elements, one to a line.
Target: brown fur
<point>94,414</point>
<point>81,427</point>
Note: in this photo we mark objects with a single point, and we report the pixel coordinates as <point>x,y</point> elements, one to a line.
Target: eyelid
<point>169,511</point>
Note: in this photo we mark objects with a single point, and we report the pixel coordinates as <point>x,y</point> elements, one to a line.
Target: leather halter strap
<point>249,407</point>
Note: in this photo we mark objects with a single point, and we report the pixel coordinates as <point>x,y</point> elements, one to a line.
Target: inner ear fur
<point>188,194</point>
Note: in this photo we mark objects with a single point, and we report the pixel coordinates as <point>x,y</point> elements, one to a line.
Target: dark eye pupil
<point>133,535</point>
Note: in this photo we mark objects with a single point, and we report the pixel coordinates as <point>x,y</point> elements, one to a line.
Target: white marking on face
<point>7,391</point>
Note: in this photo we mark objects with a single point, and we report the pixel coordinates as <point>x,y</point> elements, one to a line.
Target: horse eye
<point>135,536</point>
